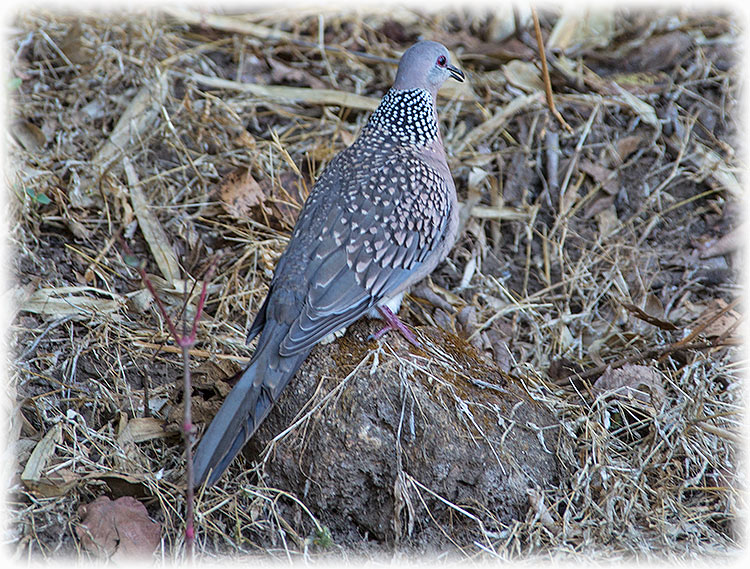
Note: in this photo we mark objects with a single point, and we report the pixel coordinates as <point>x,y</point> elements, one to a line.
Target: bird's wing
<point>367,227</point>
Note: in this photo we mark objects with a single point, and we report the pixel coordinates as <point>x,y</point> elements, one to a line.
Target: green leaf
<point>43,199</point>
<point>132,261</point>
<point>323,537</point>
<point>38,198</point>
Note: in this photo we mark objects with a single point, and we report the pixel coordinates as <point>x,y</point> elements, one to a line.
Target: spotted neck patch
<point>407,115</point>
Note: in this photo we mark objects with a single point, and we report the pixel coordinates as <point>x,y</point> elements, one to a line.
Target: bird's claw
<point>392,322</point>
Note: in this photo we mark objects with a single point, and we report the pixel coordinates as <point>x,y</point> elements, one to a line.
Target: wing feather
<point>358,243</point>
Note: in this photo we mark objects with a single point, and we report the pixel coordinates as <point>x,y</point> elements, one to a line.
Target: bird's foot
<point>392,322</point>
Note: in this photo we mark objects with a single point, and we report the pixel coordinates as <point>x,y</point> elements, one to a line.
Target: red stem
<point>185,341</point>
<point>188,435</point>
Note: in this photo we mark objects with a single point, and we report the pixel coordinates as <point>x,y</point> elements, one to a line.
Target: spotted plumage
<point>407,115</point>
<point>381,216</point>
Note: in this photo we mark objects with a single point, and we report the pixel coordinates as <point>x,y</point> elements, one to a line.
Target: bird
<point>380,217</point>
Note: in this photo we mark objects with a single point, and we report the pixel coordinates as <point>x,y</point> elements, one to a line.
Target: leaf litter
<point>572,261</point>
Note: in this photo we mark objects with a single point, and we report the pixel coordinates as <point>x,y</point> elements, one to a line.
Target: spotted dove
<point>381,216</point>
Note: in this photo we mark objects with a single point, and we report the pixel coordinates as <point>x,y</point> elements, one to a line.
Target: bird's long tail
<point>246,406</point>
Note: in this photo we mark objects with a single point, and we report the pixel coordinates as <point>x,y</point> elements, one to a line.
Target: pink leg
<point>393,323</point>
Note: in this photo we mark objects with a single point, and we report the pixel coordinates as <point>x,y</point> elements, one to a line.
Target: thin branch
<point>661,352</point>
<point>545,73</point>
<point>186,341</point>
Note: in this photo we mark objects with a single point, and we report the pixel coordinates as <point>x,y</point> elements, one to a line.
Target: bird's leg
<point>392,322</point>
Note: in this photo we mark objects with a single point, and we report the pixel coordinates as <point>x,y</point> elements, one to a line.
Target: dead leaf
<point>73,47</point>
<point>139,116</point>
<point>119,530</point>
<point>31,137</point>
<point>229,23</point>
<point>721,324</point>
<point>40,456</point>
<point>524,75</point>
<point>246,140</point>
<point>240,193</point>
<point>281,72</point>
<point>599,173</point>
<point>119,484</point>
<point>640,84</point>
<point>502,23</point>
<point>18,296</point>
<point>496,212</point>
<point>467,318</point>
<point>75,301</point>
<point>494,124</point>
<point>595,350</point>
<point>35,475</point>
<point>627,145</point>
<point>142,429</point>
<point>76,227</point>
<point>57,483</point>
<point>500,351</point>
<point>396,32</point>
<point>536,500</point>
<point>151,228</point>
<point>597,205</point>
<point>510,48</point>
<point>563,370</point>
<point>632,383</point>
<point>212,381</point>
<point>579,28</point>
<point>650,318</point>
<point>660,52</point>
<point>275,203</point>
<point>645,111</point>
<point>710,163</point>
<point>607,221</point>
<point>133,431</point>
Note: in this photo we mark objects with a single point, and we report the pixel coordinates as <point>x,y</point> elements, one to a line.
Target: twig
<point>552,155</point>
<point>185,341</point>
<point>545,73</point>
<point>662,352</point>
<point>687,339</point>
<point>193,353</point>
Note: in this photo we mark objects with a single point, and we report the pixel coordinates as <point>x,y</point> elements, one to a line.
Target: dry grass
<point>127,124</point>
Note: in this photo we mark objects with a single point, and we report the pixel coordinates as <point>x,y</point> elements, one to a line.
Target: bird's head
<point>425,65</point>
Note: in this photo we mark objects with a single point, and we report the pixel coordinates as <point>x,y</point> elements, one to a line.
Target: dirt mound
<point>395,444</point>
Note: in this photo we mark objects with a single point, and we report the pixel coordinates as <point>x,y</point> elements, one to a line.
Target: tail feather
<point>246,406</point>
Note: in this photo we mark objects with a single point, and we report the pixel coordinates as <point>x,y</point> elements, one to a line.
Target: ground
<point>597,261</point>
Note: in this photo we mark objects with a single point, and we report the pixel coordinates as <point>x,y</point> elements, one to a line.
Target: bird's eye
<point>441,61</point>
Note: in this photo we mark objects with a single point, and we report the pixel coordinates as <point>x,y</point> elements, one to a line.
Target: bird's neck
<point>407,115</point>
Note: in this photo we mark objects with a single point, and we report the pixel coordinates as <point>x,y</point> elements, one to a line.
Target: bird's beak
<point>456,73</point>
